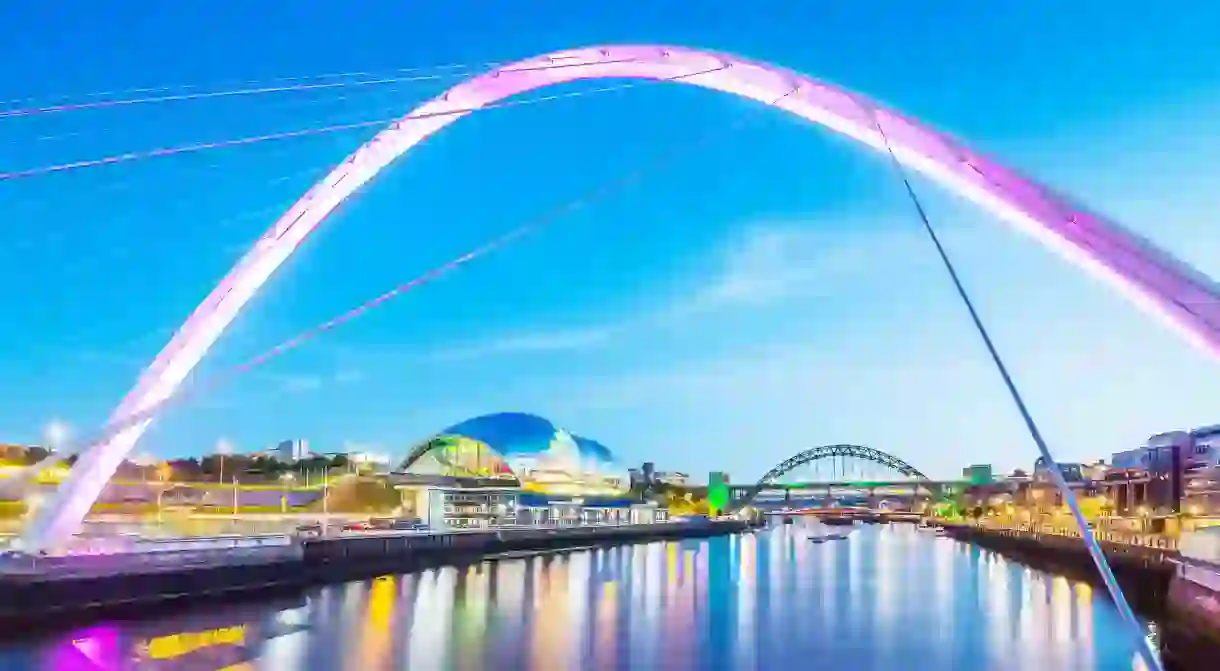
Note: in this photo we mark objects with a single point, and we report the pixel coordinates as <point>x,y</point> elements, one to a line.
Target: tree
<point>35,454</point>
<point>1091,507</point>
<point>186,470</point>
<point>210,465</point>
<point>356,495</point>
<point>127,470</point>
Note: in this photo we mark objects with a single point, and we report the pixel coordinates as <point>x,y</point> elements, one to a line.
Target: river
<point>887,597</point>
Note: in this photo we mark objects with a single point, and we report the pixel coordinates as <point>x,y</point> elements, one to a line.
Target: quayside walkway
<point>1159,551</point>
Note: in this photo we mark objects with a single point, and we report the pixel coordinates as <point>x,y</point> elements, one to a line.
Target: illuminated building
<point>518,468</point>
<point>542,510</point>
<point>673,478</point>
<point>1174,471</point>
<point>1071,472</point>
<point>978,474</point>
<point>289,451</point>
<point>717,492</point>
<point>528,449</point>
<point>459,508</point>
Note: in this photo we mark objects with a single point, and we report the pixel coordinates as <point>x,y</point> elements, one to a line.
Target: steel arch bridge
<point>826,452</point>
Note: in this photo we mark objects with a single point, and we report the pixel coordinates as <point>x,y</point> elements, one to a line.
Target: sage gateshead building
<point>514,468</point>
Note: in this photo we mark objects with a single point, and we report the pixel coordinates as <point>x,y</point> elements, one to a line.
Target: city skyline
<point>770,293</point>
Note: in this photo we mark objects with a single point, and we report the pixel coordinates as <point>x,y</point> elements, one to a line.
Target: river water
<point>887,597</point>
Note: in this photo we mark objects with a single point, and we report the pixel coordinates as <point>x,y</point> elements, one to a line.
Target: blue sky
<point>765,293</point>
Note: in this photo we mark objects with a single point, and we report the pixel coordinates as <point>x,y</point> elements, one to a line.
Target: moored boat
<point>838,521</point>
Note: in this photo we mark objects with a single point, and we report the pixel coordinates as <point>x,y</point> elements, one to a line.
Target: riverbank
<point>1145,578</point>
<point>81,589</point>
<point>1146,571</point>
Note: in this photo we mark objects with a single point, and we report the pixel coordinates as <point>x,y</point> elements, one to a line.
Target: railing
<point>1204,574</point>
<point>101,557</point>
<point>215,543</point>
<point>1151,541</point>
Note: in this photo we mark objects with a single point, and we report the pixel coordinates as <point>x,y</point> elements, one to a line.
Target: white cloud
<point>771,263</point>
<point>295,384</point>
<point>539,342</point>
<point>763,265</point>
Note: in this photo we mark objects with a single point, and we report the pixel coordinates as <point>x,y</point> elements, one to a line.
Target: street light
<point>145,462</point>
<point>285,479</point>
<point>56,434</point>
<point>325,502</point>
<point>223,447</point>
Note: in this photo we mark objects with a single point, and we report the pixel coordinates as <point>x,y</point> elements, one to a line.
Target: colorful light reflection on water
<point>886,598</point>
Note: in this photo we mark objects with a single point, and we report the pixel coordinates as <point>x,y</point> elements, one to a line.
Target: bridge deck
<point>854,484</point>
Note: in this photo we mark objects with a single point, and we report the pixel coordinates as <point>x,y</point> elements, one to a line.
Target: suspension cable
<point>605,189</point>
<point>229,93</point>
<point>1086,534</point>
<point>448,73</point>
<point>67,99</point>
<point>284,135</point>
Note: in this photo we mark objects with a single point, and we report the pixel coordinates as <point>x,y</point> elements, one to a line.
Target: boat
<point>838,521</point>
<point>924,526</point>
<point>941,531</point>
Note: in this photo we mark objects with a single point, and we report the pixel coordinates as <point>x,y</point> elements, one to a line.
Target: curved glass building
<point>522,447</point>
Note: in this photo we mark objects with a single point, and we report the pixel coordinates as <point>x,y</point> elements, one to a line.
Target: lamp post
<point>223,447</point>
<point>285,479</point>
<point>164,472</point>
<point>145,462</point>
<point>56,435</point>
<point>325,501</point>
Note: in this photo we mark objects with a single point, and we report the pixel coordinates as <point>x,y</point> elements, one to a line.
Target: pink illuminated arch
<point>1153,279</point>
